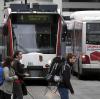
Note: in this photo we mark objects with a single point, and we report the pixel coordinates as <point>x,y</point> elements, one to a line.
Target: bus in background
<point>68,37</point>
<point>38,31</point>
<point>86,41</point>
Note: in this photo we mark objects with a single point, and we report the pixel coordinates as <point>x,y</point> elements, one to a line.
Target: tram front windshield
<point>93,33</point>
<point>34,33</point>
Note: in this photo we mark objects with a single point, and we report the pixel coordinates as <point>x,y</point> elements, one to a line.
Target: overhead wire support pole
<point>4,2</point>
<point>25,1</point>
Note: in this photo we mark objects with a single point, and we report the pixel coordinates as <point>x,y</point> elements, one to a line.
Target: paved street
<point>84,89</point>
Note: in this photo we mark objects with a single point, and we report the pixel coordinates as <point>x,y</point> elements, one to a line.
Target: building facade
<point>1,11</point>
<point>69,6</point>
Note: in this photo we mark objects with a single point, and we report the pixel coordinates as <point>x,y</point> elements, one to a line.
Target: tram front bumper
<point>36,73</point>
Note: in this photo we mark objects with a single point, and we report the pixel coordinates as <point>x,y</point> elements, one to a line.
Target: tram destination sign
<point>30,18</point>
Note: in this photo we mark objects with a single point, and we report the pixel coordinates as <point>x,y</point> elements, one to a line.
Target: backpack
<point>1,75</point>
<point>55,72</point>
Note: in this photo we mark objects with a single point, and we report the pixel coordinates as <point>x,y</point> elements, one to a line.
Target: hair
<point>57,59</point>
<point>69,56</point>
<point>16,54</point>
<point>7,61</point>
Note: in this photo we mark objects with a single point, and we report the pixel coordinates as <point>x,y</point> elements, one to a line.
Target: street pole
<point>25,1</point>
<point>4,2</point>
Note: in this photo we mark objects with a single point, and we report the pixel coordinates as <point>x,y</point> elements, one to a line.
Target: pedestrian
<point>65,85</point>
<point>9,77</point>
<point>19,71</point>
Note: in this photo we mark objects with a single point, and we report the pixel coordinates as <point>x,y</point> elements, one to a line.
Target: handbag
<point>24,89</point>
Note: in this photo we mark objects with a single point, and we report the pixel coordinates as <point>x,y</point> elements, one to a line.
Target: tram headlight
<point>85,59</point>
<point>48,65</point>
<point>83,56</point>
<point>49,62</point>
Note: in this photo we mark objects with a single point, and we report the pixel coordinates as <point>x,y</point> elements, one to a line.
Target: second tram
<point>86,41</point>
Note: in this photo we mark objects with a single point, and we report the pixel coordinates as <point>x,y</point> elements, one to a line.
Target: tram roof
<point>36,9</point>
<point>86,15</point>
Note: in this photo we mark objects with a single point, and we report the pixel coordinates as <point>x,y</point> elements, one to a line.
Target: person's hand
<point>72,93</point>
<point>26,74</point>
<point>15,77</point>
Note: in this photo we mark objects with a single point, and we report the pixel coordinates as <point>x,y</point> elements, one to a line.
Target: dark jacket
<point>19,69</point>
<point>66,78</point>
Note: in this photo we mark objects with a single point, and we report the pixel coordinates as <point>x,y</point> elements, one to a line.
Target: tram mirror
<point>5,30</point>
<point>64,32</point>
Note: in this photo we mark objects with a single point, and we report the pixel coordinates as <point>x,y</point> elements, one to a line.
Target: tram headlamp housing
<point>85,59</point>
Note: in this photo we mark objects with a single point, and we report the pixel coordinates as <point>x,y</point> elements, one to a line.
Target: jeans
<point>64,94</point>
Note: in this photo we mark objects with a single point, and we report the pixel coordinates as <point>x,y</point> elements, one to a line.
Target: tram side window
<point>77,41</point>
<point>64,33</point>
<point>93,33</point>
<point>68,38</point>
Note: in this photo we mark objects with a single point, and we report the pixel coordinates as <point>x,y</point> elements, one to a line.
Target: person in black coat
<point>19,71</point>
<point>65,85</point>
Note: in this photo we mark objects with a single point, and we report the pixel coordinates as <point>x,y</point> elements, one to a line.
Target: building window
<point>80,0</point>
<point>78,9</point>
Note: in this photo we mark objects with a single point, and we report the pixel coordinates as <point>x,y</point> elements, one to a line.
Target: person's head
<point>71,58</point>
<point>18,55</point>
<point>57,59</point>
<point>7,61</point>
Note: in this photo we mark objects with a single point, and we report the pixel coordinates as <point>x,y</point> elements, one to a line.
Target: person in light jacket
<point>9,76</point>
